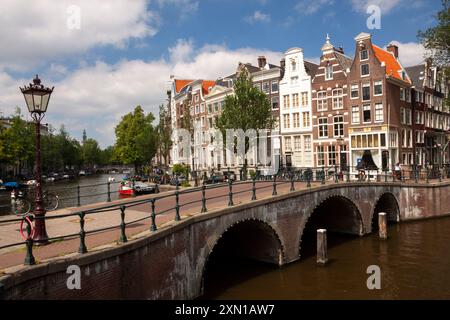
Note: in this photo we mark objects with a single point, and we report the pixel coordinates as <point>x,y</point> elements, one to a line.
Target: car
<point>215,178</point>
<point>180,179</point>
<point>143,188</point>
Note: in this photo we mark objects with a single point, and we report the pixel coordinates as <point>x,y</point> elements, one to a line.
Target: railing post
<point>82,248</point>
<point>274,191</point>
<point>123,236</point>
<point>230,193</point>
<point>204,209</point>
<point>254,189</point>
<point>292,183</point>
<point>78,197</point>
<point>177,205</point>
<point>153,226</point>
<point>177,183</point>
<point>29,258</point>
<point>109,192</point>
<point>323,175</point>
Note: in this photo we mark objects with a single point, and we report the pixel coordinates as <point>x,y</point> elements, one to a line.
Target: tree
<point>135,142</point>
<point>164,130</point>
<point>248,108</point>
<point>437,39</point>
<point>91,152</point>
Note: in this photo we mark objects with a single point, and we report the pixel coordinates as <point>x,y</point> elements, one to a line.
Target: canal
<point>93,189</point>
<point>414,263</point>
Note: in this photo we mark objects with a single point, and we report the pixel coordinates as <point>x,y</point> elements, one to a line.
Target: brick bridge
<point>170,263</point>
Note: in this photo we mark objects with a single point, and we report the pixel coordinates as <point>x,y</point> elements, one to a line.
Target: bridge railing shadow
<point>196,200</point>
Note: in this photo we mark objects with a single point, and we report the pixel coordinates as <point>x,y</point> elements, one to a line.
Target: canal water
<point>93,189</point>
<point>414,264</point>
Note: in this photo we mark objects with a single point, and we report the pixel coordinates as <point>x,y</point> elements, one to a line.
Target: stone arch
<point>272,235</point>
<point>386,202</point>
<point>349,220</point>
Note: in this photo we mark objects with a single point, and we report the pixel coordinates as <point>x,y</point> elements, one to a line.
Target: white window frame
<point>352,90</point>
<point>374,84</point>
<point>358,113</point>
<point>378,107</point>
<point>361,70</point>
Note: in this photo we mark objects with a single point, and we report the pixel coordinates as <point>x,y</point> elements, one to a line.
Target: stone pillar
<point>382,225</point>
<point>322,252</point>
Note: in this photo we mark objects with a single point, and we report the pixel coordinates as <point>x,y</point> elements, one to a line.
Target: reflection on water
<point>414,262</point>
<point>67,191</point>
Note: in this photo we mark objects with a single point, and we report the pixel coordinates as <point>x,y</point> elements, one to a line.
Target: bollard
<point>274,192</point>
<point>153,226</point>
<point>322,253</point>
<point>82,248</point>
<point>292,183</point>
<point>204,209</point>
<point>254,189</point>
<point>109,192</point>
<point>29,258</point>
<point>78,197</point>
<point>123,236</point>
<point>230,193</point>
<point>382,225</point>
<point>385,176</point>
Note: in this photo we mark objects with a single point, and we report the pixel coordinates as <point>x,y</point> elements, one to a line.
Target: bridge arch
<point>252,239</point>
<point>386,202</point>
<point>337,214</point>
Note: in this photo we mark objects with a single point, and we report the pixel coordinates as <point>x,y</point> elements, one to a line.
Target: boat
<point>111,179</point>
<point>128,189</point>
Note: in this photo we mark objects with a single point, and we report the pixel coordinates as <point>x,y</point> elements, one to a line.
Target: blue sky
<point>125,50</point>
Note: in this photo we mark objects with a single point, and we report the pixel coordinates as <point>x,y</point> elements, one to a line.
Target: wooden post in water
<point>382,225</point>
<point>322,252</point>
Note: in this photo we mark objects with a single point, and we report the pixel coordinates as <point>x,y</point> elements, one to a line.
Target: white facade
<point>296,111</point>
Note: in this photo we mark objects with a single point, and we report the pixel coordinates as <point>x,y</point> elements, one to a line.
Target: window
<point>295,102</point>
<point>275,102</point>
<point>408,95</point>
<point>329,72</point>
<point>307,141</point>
<point>286,101</point>
<point>202,107</point>
<point>402,94</point>
<point>306,120</point>
<point>304,99</point>
<point>323,127</point>
<point>408,116</point>
<point>366,92</point>
<point>379,112</point>
<point>274,86</point>
<point>378,88</point>
<point>365,70</point>
<point>338,126</point>
<point>355,114</point>
<point>197,109</point>
<point>209,108</point>
<point>297,143</point>
<point>287,143</point>
<point>296,117</point>
<point>338,100</point>
<point>286,121</point>
<point>266,87</point>
<point>210,122</point>
<point>364,55</point>
<point>320,156</point>
<point>331,155</point>
<point>355,91</point>
<point>366,113</point>
<point>402,116</point>
<point>196,98</point>
<point>294,80</point>
<point>322,101</point>
<point>258,86</point>
<point>293,65</point>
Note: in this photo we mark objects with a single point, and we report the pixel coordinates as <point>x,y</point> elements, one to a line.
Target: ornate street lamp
<point>37,97</point>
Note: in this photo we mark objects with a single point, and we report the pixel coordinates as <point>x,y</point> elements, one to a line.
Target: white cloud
<point>33,31</point>
<point>258,16</point>
<point>385,5</point>
<point>184,7</point>
<point>410,53</point>
<point>94,97</point>
<point>308,7</point>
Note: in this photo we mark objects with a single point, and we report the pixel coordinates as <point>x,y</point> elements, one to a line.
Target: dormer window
<point>329,72</point>
<point>293,65</point>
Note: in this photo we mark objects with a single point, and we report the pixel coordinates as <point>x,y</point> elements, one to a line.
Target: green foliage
<point>180,169</point>
<point>185,184</point>
<point>164,130</point>
<point>252,174</point>
<point>91,153</point>
<point>437,39</point>
<point>136,138</point>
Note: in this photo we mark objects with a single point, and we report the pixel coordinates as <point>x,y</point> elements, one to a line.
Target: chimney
<point>261,62</point>
<point>340,49</point>
<point>393,49</point>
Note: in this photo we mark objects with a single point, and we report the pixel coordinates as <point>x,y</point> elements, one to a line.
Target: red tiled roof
<point>393,67</point>
<point>207,84</point>
<point>180,84</point>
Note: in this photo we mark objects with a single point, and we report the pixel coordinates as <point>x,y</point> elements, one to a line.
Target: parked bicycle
<point>22,202</point>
